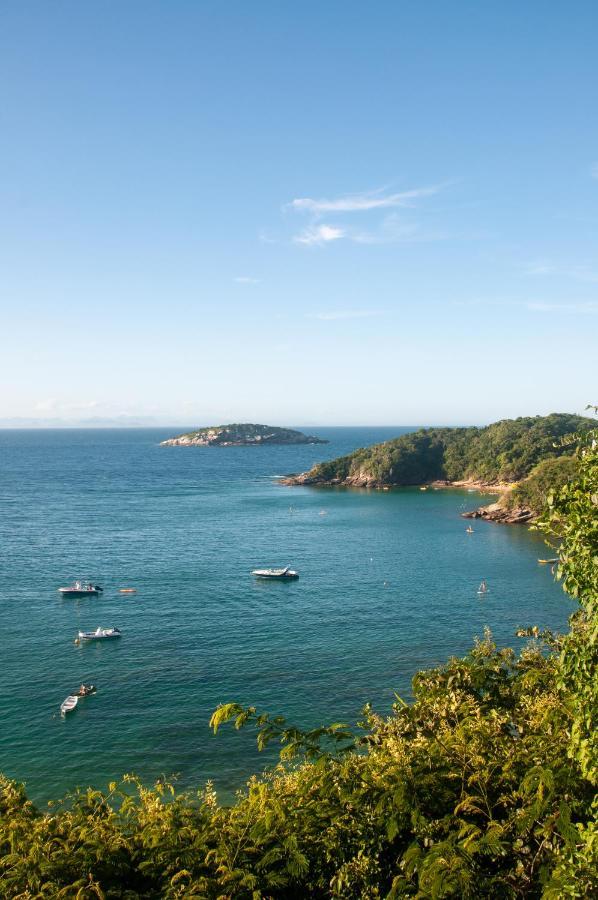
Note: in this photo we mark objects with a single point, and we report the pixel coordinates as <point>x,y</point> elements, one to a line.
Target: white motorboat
<point>287,572</point>
<point>100,634</point>
<point>68,705</point>
<point>81,589</point>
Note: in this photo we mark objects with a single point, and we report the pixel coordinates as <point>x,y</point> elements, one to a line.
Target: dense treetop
<point>505,451</point>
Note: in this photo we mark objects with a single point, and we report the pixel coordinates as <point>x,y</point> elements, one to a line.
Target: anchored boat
<point>287,572</point>
<point>68,705</point>
<point>81,589</point>
<point>100,634</point>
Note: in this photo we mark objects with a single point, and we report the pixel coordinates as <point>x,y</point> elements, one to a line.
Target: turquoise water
<point>388,585</point>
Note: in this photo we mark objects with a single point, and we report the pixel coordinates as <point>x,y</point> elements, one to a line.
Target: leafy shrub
<point>548,476</point>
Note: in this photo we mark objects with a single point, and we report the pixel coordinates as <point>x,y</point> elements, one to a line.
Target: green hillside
<point>505,451</point>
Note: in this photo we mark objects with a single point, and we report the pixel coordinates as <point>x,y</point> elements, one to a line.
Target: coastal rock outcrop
<point>240,435</point>
<point>496,512</point>
<point>355,479</point>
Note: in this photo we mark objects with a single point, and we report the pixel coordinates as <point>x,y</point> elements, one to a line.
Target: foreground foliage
<point>547,478</point>
<point>482,787</point>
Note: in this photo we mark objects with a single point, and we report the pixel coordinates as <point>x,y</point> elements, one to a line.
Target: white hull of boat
<point>280,574</point>
<point>100,634</point>
<point>68,705</point>
<point>81,589</point>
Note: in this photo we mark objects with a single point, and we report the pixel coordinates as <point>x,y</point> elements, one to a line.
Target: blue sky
<point>339,213</point>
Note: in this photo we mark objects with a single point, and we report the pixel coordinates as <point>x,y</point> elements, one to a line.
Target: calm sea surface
<point>388,586</point>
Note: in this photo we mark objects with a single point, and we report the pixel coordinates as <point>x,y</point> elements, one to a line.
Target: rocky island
<point>239,435</point>
<point>520,459</point>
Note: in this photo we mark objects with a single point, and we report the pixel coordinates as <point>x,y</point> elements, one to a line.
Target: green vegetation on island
<point>241,434</point>
<point>505,451</point>
<point>484,786</point>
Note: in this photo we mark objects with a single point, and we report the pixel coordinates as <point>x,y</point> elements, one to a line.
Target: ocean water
<point>388,586</point>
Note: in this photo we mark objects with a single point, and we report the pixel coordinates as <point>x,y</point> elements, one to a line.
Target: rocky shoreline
<point>363,481</point>
<point>495,512</point>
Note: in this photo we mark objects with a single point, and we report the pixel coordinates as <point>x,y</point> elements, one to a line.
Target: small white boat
<point>469,530</point>
<point>287,572</point>
<point>100,634</point>
<point>483,588</point>
<point>68,705</point>
<point>81,589</point>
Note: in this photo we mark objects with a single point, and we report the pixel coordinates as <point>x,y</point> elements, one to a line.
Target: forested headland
<point>524,458</point>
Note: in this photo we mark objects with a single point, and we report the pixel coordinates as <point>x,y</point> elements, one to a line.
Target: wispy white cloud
<point>246,279</point>
<point>571,307</point>
<point>588,307</point>
<point>583,273</point>
<point>394,230</point>
<point>319,234</point>
<point>334,315</point>
<point>540,267</point>
<point>391,228</point>
<point>363,202</point>
<point>577,272</point>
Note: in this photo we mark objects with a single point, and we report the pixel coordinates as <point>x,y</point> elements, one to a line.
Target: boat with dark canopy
<point>287,572</point>
<point>81,589</point>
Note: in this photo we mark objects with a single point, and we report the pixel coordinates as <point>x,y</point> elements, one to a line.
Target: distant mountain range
<point>90,422</point>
